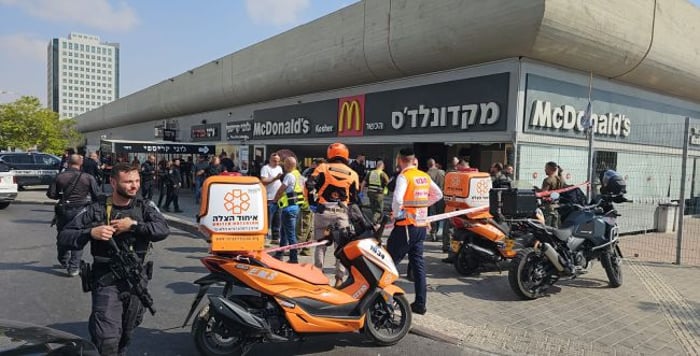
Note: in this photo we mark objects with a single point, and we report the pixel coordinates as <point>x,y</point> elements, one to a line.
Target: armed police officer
<point>133,224</point>
<point>74,190</point>
<point>336,186</point>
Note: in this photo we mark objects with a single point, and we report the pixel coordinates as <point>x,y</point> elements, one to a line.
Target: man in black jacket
<point>174,182</point>
<point>91,166</point>
<point>75,190</point>
<point>148,177</point>
<point>131,221</point>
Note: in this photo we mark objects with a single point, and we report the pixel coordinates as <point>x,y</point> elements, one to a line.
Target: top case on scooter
<point>467,189</point>
<point>514,203</point>
<point>233,213</point>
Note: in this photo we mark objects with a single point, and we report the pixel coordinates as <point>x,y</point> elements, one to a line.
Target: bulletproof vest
<point>133,211</point>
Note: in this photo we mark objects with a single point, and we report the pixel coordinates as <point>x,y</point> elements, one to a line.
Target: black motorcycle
<point>588,232</point>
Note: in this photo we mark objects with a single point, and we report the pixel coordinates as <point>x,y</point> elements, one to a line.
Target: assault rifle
<point>126,266</point>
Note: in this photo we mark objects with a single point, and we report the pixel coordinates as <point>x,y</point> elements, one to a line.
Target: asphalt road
<point>34,291</point>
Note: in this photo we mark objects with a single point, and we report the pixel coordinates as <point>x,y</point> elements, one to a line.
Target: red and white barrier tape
<point>562,190</point>
<point>295,246</point>
<point>443,216</point>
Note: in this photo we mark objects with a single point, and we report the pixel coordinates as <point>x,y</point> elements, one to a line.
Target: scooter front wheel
<point>612,262</point>
<point>388,323</point>
<point>213,338</point>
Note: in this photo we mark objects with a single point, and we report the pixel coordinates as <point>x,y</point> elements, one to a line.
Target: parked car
<point>18,338</point>
<point>32,168</point>
<point>8,188</point>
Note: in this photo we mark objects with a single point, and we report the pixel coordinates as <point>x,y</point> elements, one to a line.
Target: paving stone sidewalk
<point>655,312</point>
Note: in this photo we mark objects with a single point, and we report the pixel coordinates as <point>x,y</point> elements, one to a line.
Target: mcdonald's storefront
<point>467,118</point>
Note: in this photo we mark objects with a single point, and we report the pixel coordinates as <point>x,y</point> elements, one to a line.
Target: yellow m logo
<point>349,114</point>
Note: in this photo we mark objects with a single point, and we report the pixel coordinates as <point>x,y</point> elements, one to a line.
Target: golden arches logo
<point>351,116</point>
<point>236,201</point>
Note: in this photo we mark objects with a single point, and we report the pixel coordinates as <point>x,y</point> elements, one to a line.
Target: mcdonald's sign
<point>351,116</point>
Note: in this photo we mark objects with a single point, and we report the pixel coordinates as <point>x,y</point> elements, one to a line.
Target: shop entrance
<point>482,156</point>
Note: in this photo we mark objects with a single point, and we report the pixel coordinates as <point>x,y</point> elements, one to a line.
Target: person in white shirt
<point>271,175</point>
<point>414,193</point>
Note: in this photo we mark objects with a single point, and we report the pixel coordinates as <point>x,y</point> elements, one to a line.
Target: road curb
<point>36,202</point>
<point>192,228</point>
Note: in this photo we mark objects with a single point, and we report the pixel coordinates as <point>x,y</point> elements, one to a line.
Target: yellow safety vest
<point>375,182</point>
<point>295,197</point>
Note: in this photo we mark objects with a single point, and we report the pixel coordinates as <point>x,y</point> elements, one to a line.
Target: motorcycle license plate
<point>455,245</point>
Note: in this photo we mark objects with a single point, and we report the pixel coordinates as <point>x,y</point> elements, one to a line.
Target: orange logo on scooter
<point>236,201</point>
<point>482,187</point>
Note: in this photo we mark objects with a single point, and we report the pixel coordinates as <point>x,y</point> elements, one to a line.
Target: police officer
<point>148,177</point>
<point>75,190</point>
<point>414,193</point>
<point>290,198</point>
<point>376,183</point>
<point>136,222</point>
<point>336,186</point>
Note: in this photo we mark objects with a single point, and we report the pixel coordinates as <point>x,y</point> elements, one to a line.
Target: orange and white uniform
<point>413,194</point>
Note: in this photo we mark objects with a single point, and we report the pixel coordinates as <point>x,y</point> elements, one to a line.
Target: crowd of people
<point>301,205</point>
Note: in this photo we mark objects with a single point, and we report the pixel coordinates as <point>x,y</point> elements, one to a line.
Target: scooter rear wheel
<point>212,338</point>
<point>386,323</point>
<point>527,274</point>
<point>466,261</point>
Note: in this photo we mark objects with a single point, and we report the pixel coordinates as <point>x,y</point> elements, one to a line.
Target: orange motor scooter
<point>282,301</point>
<point>477,239</point>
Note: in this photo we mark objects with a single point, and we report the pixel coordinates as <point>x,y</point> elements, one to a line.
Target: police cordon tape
<point>432,218</point>
<point>296,246</point>
<point>562,190</point>
<point>428,220</point>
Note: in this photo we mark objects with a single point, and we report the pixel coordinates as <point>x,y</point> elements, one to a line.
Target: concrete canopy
<point>653,44</point>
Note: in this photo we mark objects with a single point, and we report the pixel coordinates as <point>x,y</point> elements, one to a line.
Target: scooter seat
<point>304,271</point>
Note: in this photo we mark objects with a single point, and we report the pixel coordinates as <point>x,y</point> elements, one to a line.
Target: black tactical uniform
<point>148,172</point>
<point>115,311</point>
<point>72,199</point>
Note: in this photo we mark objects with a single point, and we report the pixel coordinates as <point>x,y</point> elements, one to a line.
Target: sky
<point>158,39</point>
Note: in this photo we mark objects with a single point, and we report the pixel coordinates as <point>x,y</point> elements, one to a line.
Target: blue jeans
<point>289,231</point>
<point>198,181</point>
<point>409,240</point>
<point>273,218</point>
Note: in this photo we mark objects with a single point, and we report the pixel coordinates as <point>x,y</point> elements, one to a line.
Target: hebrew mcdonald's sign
<point>351,116</point>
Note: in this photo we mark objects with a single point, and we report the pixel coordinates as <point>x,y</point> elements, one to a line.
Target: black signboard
<point>157,147</point>
<point>315,119</point>
<point>169,134</point>
<point>468,105</point>
<point>239,130</point>
<point>207,132</point>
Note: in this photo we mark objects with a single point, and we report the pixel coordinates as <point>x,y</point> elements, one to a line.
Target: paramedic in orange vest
<point>336,186</point>
<point>414,193</point>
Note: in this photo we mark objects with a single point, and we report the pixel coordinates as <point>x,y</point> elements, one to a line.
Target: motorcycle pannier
<point>233,213</point>
<point>514,203</point>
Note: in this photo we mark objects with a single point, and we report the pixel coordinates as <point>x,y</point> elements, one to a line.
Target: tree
<point>25,124</point>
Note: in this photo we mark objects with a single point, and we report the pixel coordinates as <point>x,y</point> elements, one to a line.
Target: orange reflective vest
<point>338,178</point>
<point>416,199</point>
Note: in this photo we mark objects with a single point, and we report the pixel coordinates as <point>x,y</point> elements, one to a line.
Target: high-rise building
<point>83,74</point>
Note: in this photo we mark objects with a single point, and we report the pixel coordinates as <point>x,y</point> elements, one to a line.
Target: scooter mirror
<point>554,196</point>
